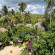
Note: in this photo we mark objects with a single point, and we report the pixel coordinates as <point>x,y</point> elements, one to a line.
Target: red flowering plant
<point>29,45</point>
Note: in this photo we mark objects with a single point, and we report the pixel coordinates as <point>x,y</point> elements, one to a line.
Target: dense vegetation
<point>37,41</point>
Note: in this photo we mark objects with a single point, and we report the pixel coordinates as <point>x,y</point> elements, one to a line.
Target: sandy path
<point>15,50</point>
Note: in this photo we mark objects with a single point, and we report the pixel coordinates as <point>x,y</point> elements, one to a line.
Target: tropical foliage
<point>19,31</point>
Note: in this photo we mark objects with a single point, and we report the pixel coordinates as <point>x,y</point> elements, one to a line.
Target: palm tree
<point>53,13</point>
<point>50,5</point>
<point>28,17</point>
<point>13,12</point>
<point>5,10</point>
<point>22,8</point>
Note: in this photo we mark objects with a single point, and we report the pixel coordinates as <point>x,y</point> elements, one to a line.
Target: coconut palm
<point>13,12</point>
<point>28,17</point>
<point>5,10</point>
<point>22,8</point>
<point>53,13</point>
<point>50,5</point>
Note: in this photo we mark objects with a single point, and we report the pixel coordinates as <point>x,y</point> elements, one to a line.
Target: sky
<point>33,6</point>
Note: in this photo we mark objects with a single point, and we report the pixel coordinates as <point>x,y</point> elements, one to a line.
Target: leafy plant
<point>4,39</point>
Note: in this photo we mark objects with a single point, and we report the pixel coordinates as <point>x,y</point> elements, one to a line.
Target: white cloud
<point>0,6</point>
<point>12,8</point>
<point>34,12</point>
<point>33,7</point>
<point>38,6</point>
<point>27,1</point>
<point>53,7</point>
<point>43,7</point>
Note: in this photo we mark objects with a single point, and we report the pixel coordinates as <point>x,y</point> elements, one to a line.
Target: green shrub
<point>21,32</point>
<point>14,39</point>
<point>4,39</point>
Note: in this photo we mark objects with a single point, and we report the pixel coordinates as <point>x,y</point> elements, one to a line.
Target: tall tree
<point>50,5</point>
<point>27,17</point>
<point>5,10</point>
<point>13,12</point>
<point>53,13</point>
<point>22,8</point>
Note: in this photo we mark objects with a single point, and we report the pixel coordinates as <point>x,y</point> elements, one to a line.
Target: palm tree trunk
<point>50,19</point>
<point>53,51</point>
<point>23,18</point>
<point>29,21</point>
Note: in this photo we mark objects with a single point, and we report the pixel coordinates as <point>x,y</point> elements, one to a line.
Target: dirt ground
<point>11,50</point>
